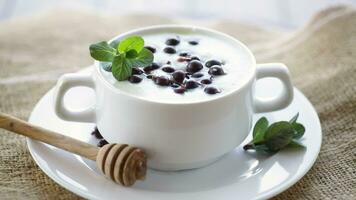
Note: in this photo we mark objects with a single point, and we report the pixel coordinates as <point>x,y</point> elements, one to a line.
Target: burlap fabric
<point>321,56</point>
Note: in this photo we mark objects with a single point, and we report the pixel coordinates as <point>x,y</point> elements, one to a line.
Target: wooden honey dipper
<point>120,162</point>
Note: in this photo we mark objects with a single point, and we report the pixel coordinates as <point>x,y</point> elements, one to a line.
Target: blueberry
<point>151,67</point>
<point>152,49</point>
<point>194,66</point>
<point>193,42</point>
<point>211,90</point>
<point>206,81</point>
<point>184,54</point>
<point>174,85</point>
<point>178,76</point>
<point>169,50</point>
<point>197,75</point>
<point>162,81</point>
<point>172,42</point>
<point>96,133</point>
<point>137,71</point>
<point>180,90</point>
<point>191,84</point>
<point>216,70</point>
<point>194,58</point>
<point>147,69</point>
<point>168,62</point>
<point>211,63</point>
<point>102,143</point>
<point>149,76</point>
<point>155,66</point>
<point>135,79</point>
<point>168,69</point>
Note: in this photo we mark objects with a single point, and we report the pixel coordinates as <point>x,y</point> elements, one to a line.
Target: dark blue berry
<point>172,42</point>
<point>180,90</point>
<point>169,50</point>
<point>168,69</point>
<point>152,49</point>
<point>162,81</point>
<point>102,143</point>
<point>206,81</point>
<point>211,63</point>
<point>197,75</point>
<point>216,71</point>
<point>174,85</point>
<point>96,133</point>
<point>136,71</point>
<point>184,54</point>
<point>135,79</point>
<point>178,76</point>
<point>193,42</point>
<point>151,67</point>
<point>194,66</point>
<point>191,84</point>
<point>155,66</point>
<point>194,58</point>
<point>211,90</point>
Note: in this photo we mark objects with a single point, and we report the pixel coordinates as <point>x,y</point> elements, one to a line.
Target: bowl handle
<point>65,83</point>
<point>281,72</point>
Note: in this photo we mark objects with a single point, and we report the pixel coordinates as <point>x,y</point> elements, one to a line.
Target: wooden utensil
<point>120,162</point>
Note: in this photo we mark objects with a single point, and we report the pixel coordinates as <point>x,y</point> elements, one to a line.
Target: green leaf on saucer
<point>299,130</point>
<point>279,135</point>
<point>259,130</point>
<point>295,144</point>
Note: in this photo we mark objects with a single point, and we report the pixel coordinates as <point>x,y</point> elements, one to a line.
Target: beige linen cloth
<point>34,52</point>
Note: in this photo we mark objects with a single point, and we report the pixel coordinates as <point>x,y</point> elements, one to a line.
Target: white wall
<point>287,14</point>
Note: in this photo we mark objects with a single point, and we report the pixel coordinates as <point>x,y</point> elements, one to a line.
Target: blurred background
<point>283,14</point>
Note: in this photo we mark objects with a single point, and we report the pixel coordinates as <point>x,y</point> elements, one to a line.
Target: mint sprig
<point>279,135</point>
<point>121,56</point>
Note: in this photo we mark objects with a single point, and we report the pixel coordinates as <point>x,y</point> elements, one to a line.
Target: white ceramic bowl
<point>176,136</point>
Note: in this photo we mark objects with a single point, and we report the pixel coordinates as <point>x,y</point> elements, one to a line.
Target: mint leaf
<point>114,44</point>
<point>121,69</point>
<point>279,135</point>
<point>263,148</point>
<point>259,130</point>
<point>143,59</point>
<point>294,119</point>
<point>102,51</point>
<point>119,57</point>
<point>131,54</point>
<point>134,42</point>
<point>299,130</point>
<point>276,128</point>
<point>295,144</point>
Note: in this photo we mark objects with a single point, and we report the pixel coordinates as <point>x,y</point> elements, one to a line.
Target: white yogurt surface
<point>237,66</point>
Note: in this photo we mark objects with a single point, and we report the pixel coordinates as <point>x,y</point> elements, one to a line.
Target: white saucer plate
<point>238,175</point>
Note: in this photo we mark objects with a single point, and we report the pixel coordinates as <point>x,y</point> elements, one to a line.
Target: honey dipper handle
<point>24,128</point>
